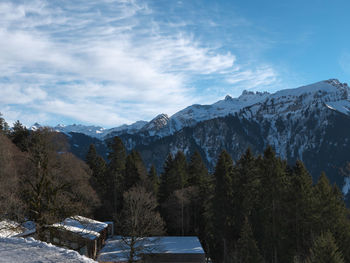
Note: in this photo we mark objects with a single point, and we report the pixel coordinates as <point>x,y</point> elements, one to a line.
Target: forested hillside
<point>257,209</point>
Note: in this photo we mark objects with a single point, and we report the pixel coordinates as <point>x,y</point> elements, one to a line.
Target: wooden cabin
<point>85,235</point>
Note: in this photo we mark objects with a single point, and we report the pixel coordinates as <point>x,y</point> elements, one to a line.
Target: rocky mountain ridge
<point>310,123</point>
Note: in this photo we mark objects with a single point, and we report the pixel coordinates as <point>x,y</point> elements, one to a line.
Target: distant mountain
<point>310,123</point>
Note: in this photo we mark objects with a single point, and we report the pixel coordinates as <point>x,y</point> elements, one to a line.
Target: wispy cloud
<point>105,62</point>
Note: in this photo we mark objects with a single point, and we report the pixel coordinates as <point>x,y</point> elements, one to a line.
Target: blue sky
<point>109,62</point>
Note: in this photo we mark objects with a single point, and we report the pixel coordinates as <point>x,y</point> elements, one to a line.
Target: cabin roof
<point>85,227</point>
<point>116,250</point>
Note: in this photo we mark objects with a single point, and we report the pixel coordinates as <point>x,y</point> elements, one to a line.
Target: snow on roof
<point>115,249</point>
<point>13,229</point>
<point>29,250</point>
<point>83,226</point>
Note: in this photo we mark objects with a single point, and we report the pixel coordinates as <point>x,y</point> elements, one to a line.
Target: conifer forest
<point>257,209</point>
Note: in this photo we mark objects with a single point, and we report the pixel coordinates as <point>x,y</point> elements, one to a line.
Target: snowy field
<point>29,250</point>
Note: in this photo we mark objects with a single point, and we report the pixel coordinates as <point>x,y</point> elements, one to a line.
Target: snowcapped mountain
<point>332,93</point>
<point>93,131</point>
<point>311,123</point>
<point>163,125</point>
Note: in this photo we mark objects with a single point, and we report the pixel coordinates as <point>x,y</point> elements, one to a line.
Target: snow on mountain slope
<point>330,93</point>
<point>30,250</point>
<point>93,131</point>
<point>127,128</point>
<point>197,113</point>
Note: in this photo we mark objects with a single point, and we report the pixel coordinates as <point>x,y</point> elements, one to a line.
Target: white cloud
<point>104,62</point>
<point>254,78</point>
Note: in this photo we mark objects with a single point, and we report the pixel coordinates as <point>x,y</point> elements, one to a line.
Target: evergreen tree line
<point>258,209</point>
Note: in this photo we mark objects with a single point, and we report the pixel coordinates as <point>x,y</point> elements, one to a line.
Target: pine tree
<point>325,250</point>
<point>4,127</point>
<point>99,167</point>
<point>20,136</point>
<point>197,171</point>
<point>270,221</point>
<point>154,180</point>
<point>331,213</point>
<point>247,250</point>
<point>116,174</point>
<point>246,184</point>
<point>135,171</point>
<point>174,177</point>
<point>179,177</point>
<point>221,204</point>
<point>164,187</point>
<point>300,210</point>
<point>328,209</point>
<point>199,180</point>
<point>99,181</point>
<point>177,181</point>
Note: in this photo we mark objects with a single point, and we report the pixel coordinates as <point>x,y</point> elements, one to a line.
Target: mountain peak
<point>336,83</point>
<point>35,126</point>
<point>159,122</point>
<point>228,97</point>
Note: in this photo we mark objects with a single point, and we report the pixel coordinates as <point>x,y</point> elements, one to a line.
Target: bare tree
<point>139,220</point>
<point>55,184</point>
<point>11,163</point>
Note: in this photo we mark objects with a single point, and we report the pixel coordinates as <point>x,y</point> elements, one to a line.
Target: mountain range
<point>310,123</point>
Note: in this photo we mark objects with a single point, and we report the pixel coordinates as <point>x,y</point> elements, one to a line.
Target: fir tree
<point>325,250</point>
<point>199,180</point>
<point>179,176</point>
<point>116,174</point>
<point>331,214</point>
<point>272,209</point>
<point>164,187</point>
<point>20,136</point>
<point>177,180</point>
<point>247,250</point>
<point>135,171</point>
<point>99,167</point>
<point>328,208</point>
<point>153,179</point>
<point>4,127</point>
<point>99,181</point>
<point>300,210</point>
<point>246,183</point>
<point>220,207</point>
<point>197,171</point>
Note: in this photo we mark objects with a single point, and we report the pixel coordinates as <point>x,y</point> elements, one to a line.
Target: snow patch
<point>30,250</point>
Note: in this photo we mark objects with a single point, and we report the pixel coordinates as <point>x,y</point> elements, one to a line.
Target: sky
<point>110,62</point>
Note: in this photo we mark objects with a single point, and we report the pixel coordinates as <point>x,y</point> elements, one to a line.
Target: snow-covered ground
<point>21,250</point>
